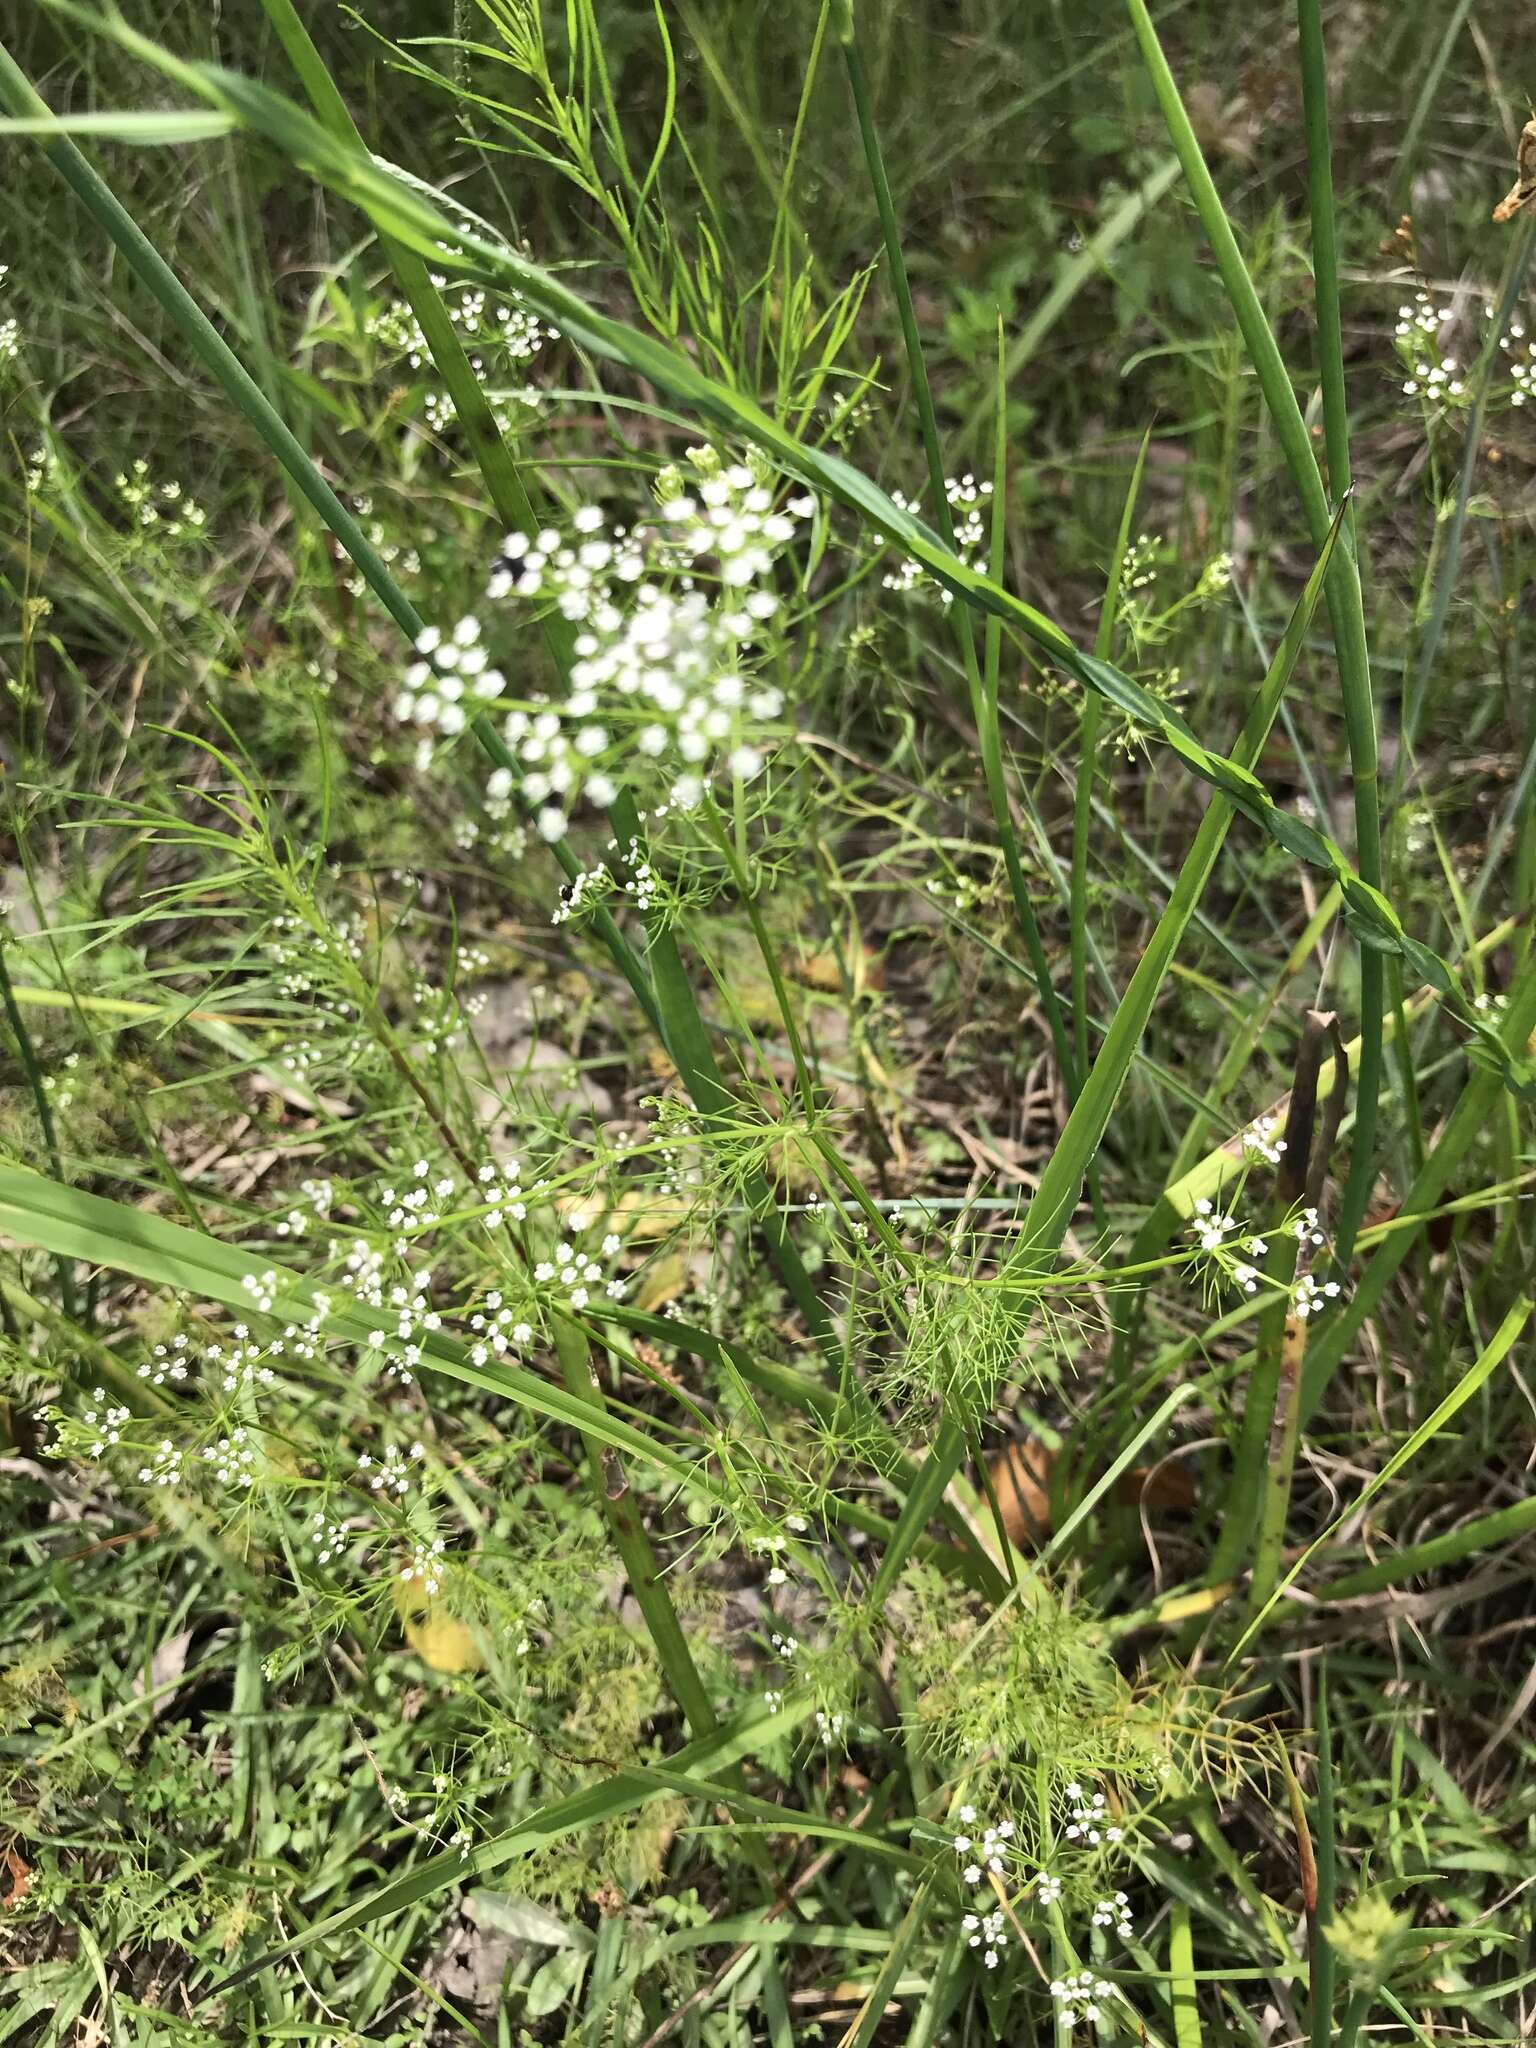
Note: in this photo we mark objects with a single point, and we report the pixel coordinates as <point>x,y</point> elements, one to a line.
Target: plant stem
<point>611,1490</point>
<point>31,1067</point>
<point>983,711</point>
<point>1345,602</point>
<point>1320,1972</point>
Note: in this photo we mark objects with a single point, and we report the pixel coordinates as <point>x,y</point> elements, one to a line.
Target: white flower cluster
<point>1418,330</point>
<point>497,1328</point>
<point>327,1539</point>
<point>165,1362</point>
<point>1213,1233</point>
<point>660,667</point>
<point>164,508</point>
<point>1138,566</point>
<point>163,1466</point>
<point>425,1568</point>
<point>233,1459</point>
<point>579,1273</point>
<point>988,1856</point>
<point>1309,1297</point>
<point>1221,1237</point>
<point>660,663</point>
<point>1261,1143</point>
<point>1089,1818</point>
<point>500,1186</point>
<point>240,1366</point>
<point>262,1288</point>
<point>450,677</point>
<point>1115,1912</point>
<point>634,879</point>
<point>1080,1997</point>
<point>984,1931</point>
<point>419,1206</point>
<point>495,336</point>
<point>1306,1228</point>
<point>320,1195</point>
<point>104,1422</point>
<point>967,498</point>
<point>1523,364</point>
<point>829,1728</point>
<point>391,1474</point>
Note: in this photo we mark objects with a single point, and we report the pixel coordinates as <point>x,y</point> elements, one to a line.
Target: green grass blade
<point>615,1500</point>
<point>1088,760</point>
<point>1345,602</point>
<point>983,700</point>
<point>1493,1354</point>
<point>1471,1539</point>
<point>1050,1209</point>
<point>1181,1979</point>
<point>1321,1973</point>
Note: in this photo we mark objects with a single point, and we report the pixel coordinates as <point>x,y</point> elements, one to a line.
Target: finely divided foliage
<point>655,1382</point>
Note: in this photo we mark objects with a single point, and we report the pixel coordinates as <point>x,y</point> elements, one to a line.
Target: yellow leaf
<point>441,1640</point>
<point>663,1283</point>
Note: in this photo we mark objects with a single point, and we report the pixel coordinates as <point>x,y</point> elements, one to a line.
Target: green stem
<point>35,1083</point>
<point>1087,764</point>
<point>1465,1125</point>
<point>984,713</point>
<point>611,1490</point>
<point>1320,1975</point>
<point>1345,602</point>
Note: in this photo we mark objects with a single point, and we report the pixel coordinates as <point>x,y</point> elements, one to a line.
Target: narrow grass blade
<point>1088,760</point>
<point>1471,1539</point>
<point>615,1500</point>
<point>1320,1975</point>
<point>1345,602</point>
<point>30,1067</point>
<point>863,2030</point>
<point>1493,1354</point>
<point>1181,1979</point>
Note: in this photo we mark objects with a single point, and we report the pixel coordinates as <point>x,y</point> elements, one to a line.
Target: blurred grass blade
<point>1320,1975</point>
<point>176,127</point>
<point>1181,1979</point>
